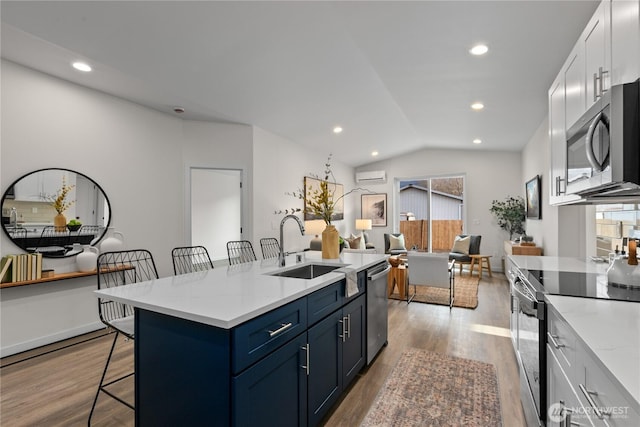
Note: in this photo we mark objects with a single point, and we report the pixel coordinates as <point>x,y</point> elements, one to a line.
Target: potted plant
<point>322,202</point>
<point>510,214</point>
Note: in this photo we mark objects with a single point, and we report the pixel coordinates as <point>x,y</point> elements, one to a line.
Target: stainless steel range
<point>528,332</point>
<point>529,329</point>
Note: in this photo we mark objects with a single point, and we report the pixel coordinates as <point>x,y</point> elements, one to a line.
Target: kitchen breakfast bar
<point>242,345</point>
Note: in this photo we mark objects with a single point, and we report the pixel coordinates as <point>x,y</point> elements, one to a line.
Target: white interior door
<point>216,209</point>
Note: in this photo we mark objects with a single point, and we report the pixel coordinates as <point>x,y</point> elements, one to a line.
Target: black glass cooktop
<point>588,285</point>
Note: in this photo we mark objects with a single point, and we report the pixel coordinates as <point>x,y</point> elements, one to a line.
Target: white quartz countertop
<point>554,263</point>
<point>611,330</point>
<point>228,296</point>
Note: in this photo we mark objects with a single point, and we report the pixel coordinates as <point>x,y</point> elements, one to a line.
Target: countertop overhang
<point>228,296</point>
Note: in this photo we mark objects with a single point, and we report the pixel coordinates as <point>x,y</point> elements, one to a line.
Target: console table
<point>513,248</point>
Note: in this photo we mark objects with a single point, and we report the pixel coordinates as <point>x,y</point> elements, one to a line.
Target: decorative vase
<point>113,242</point>
<point>60,222</point>
<point>86,260</point>
<point>330,242</point>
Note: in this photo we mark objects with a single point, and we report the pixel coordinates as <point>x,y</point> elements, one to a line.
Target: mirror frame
<point>68,253</point>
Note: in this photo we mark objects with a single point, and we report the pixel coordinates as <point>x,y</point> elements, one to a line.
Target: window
<point>431,212</point>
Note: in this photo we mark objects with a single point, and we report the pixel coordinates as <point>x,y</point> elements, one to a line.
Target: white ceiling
<point>397,76</point>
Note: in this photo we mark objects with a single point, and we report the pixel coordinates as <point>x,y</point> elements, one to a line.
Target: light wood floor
<point>57,388</point>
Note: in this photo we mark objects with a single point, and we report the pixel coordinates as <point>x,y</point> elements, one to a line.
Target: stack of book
<point>20,267</point>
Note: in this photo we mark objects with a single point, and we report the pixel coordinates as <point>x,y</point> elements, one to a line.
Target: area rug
<point>465,293</point>
<point>433,389</point>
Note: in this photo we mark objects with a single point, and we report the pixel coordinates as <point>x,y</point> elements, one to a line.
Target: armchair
<point>430,269</point>
<point>394,244</point>
<point>463,246</point>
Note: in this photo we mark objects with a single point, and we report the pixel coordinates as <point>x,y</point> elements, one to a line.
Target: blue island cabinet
<point>286,367</point>
<point>337,350</point>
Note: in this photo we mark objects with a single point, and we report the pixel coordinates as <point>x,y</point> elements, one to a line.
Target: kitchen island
<point>241,346</point>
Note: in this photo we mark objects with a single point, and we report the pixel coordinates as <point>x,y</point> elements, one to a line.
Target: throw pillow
<point>345,243</point>
<point>461,245</point>
<point>396,243</point>
<point>354,243</point>
<point>362,242</point>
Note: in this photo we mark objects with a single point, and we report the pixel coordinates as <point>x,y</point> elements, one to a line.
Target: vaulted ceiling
<point>396,76</point>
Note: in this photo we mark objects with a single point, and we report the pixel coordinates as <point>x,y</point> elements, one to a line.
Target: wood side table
<point>397,277</point>
<point>481,261</point>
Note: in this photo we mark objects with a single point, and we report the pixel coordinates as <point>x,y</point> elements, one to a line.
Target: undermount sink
<point>309,271</point>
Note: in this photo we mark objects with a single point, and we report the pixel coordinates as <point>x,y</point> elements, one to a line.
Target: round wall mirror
<point>51,211</point>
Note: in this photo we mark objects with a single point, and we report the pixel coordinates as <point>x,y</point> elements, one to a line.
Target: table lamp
<point>363,224</point>
<point>315,228</point>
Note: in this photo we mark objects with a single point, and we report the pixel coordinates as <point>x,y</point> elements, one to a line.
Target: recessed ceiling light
<point>374,153</point>
<point>479,49</point>
<point>337,129</point>
<point>477,106</point>
<point>81,66</point>
<point>477,141</point>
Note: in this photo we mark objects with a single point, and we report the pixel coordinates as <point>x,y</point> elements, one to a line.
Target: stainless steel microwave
<point>603,146</point>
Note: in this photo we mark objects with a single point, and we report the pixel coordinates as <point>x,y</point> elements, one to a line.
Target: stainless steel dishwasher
<point>377,311</point>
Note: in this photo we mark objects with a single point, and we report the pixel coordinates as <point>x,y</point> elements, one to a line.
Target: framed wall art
<point>311,185</point>
<point>533,198</point>
<point>374,207</point>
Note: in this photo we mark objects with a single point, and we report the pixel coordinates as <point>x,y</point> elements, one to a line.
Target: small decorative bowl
<point>395,261</point>
<point>74,227</point>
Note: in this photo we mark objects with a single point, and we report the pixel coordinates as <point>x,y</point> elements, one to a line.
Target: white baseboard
<point>49,339</point>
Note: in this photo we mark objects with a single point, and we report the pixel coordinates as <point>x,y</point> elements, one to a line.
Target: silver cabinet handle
<point>596,95</point>
<point>343,321</point>
<point>283,327</point>
<point>307,349</point>
<point>559,180</point>
<point>349,325</point>
<point>602,74</point>
<point>587,394</point>
<point>552,338</point>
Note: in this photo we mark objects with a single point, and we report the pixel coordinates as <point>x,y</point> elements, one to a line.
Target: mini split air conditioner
<point>371,176</point>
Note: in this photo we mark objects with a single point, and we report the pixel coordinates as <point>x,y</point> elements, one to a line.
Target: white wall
<point>279,166</point>
<point>222,146</point>
<point>489,175</point>
<point>137,155</point>
<point>132,152</point>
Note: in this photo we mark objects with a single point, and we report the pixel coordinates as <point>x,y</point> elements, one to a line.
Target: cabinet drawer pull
<point>596,95</point>
<point>567,418</point>
<point>348,325</point>
<point>306,348</point>
<point>283,327</point>
<point>587,394</point>
<point>555,344</point>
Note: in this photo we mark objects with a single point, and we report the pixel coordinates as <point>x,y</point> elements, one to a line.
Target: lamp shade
<point>314,227</point>
<point>363,224</point>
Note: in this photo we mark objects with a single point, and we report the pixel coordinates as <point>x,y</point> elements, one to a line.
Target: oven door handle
<point>531,303</point>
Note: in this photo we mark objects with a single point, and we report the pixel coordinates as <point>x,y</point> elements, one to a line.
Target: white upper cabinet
<point>44,186</point>
<point>596,39</point>
<point>607,53</point>
<point>574,82</point>
<point>558,142</point>
<point>625,41</point>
